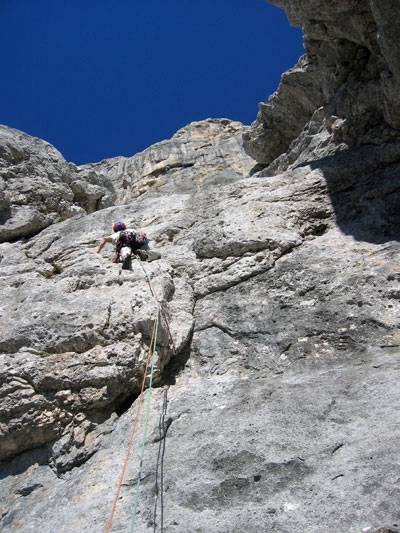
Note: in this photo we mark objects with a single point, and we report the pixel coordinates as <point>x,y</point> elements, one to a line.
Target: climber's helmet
<point>119,226</point>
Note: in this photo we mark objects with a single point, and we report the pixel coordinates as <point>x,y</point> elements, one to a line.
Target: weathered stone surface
<point>84,353</point>
<point>279,409</point>
<point>34,190</point>
<point>182,163</point>
<point>38,187</point>
<point>347,84</point>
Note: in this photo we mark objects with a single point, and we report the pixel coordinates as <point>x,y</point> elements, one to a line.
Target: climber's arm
<point>103,241</point>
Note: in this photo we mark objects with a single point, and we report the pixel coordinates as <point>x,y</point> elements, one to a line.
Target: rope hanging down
<point>121,479</point>
<point>159,485</point>
<point>149,362</point>
<point>153,292</point>
<point>145,422</point>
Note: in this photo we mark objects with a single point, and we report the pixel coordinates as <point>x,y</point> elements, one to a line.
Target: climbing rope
<point>121,479</point>
<point>159,487</point>
<point>153,292</point>
<point>145,424</point>
<point>169,331</point>
<point>149,362</point>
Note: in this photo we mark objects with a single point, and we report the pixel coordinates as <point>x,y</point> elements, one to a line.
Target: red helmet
<point>119,226</point>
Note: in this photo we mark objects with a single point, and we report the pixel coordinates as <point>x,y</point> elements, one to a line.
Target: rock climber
<point>126,242</point>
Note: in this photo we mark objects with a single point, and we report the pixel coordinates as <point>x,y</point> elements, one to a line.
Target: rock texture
<point>38,187</point>
<point>275,404</point>
<point>203,154</point>
<point>342,93</point>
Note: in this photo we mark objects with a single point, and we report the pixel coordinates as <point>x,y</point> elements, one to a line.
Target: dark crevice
<point>337,447</point>
<point>5,214</point>
<point>163,428</point>
<point>257,168</point>
<point>125,403</point>
<point>177,364</point>
<point>159,171</point>
<point>226,331</point>
<point>22,235</point>
<point>174,367</point>
<point>23,461</point>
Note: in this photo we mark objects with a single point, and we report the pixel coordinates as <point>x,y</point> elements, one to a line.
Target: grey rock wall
<point>34,189</point>
<point>38,187</point>
<point>275,407</point>
<point>183,163</point>
<point>342,93</point>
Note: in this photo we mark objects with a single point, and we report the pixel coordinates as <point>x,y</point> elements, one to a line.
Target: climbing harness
<point>149,363</point>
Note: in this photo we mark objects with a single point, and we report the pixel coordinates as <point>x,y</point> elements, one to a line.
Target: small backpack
<point>143,239</point>
<point>128,238</point>
<point>131,239</point>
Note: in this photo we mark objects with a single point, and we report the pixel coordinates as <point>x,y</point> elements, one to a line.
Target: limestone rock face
<point>34,189</point>
<point>343,92</point>
<point>182,163</point>
<point>274,403</point>
<point>38,187</point>
<point>99,318</point>
<point>84,353</point>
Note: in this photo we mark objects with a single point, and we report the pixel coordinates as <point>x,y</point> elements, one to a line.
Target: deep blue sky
<point>101,78</point>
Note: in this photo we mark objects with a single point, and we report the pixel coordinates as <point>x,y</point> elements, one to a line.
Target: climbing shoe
<point>142,255</point>
<point>127,263</point>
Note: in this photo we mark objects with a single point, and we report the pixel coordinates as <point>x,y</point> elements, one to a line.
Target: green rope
<point>146,421</point>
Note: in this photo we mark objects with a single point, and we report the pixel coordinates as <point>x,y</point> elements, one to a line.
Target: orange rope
<point>121,479</point>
